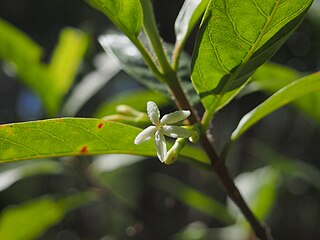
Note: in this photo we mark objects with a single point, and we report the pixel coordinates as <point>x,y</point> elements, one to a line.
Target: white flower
<point>160,128</point>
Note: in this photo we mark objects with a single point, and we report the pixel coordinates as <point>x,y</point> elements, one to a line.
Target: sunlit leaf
<point>50,82</point>
<point>259,189</point>
<point>192,197</point>
<point>16,47</point>
<point>75,136</point>
<point>293,91</point>
<point>132,62</point>
<point>11,173</point>
<point>271,77</point>
<point>30,220</point>
<point>125,14</point>
<point>190,13</point>
<point>235,38</point>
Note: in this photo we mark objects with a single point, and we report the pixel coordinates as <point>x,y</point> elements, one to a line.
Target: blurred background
<point>125,197</point>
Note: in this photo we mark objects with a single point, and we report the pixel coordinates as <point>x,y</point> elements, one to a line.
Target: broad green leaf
<point>259,189</point>
<point>304,86</point>
<point>127,15</point>
<point>192,197</point>
<point>190,13</point>
<point>51,82</point>
<point>75,136</point>
<point>271,77</point>
<point>136,98</point>
<point>30,220</point>
<point>235,38</point>
<point>11,173</point>
<point>123,51</point>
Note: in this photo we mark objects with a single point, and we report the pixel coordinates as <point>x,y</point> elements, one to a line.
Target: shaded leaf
<point>190,13</point>
<point>127,15</point>
<point>293,91</point>
<point>235,38</point>
<point>30,220</point>
<point>192,197</point>
<point>129,57</point>
<point>11,173</point>
<point>259,189</point>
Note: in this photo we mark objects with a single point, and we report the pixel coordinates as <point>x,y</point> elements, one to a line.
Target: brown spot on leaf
<point>58,120</point>
<point>100,125</point>
<point>84,149</point>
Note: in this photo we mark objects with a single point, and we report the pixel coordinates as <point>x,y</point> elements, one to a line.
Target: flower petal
<point>153,113</point>
<point>161,146</point>
<point>175,117</point>
<point>145,135</point>
<point>176,131</point>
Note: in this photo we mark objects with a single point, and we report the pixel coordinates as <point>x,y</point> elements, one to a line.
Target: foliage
<point>234,42</point>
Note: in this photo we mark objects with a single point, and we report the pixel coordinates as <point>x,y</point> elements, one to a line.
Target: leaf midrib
<point>250,53</point>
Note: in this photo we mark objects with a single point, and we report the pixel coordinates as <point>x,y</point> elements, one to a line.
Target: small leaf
<point>235,38</point>
<point>123,51</point>
<point>192,197</point>
<point>190,13</point>
<point>127,15</point>
<point>295,90</point>
<point>30,220</point>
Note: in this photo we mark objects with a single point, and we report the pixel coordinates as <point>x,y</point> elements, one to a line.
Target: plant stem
<point>218,164</point>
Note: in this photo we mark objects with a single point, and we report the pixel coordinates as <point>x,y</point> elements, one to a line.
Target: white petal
<point>176,131</point>
<point>153,112</point>
<point>145,135</point>
<point>175,117</point>
<point>161,146</point>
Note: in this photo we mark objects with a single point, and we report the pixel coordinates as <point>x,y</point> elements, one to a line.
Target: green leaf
<point>51,82</point>
<point>271,77</point>
<point>30,220</point>
<point>259,189</point>
<point>11,173</point>
<point>69,136</point>
<point>123,51</point>
<point>137,99</point>
<point>190,13</point>
<point>75,136</point>
<point>235,38</point>
<point>295,90</point>
<point>16,47</point>
<point>127,15</point>
<point>66,59</point>
<point>192,197</point>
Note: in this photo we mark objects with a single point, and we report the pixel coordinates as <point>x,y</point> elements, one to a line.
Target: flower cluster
<point>162,127</point>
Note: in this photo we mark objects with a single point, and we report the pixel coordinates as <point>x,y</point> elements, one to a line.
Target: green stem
<point>151,30</point>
